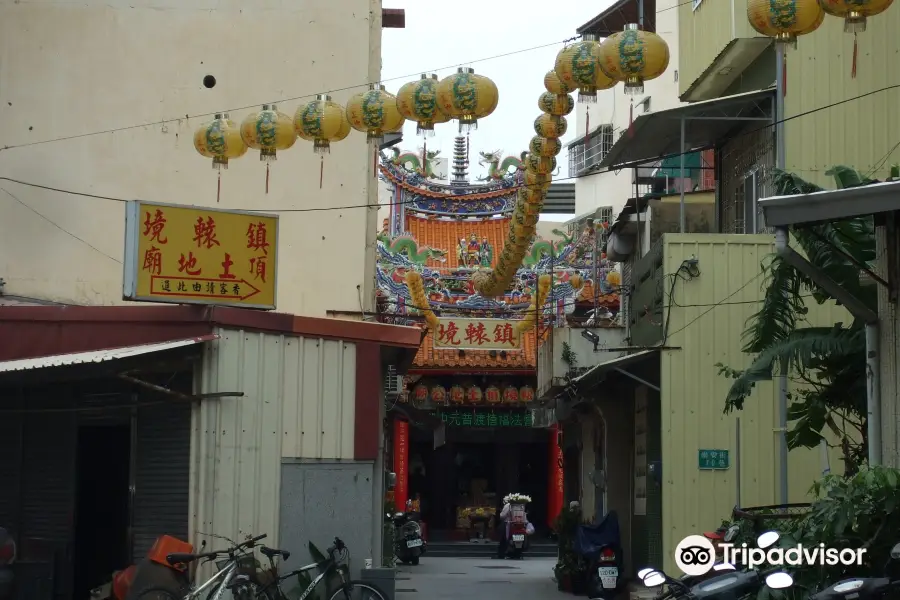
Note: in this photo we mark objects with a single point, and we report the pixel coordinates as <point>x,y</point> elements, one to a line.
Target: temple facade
<point>473,371</point>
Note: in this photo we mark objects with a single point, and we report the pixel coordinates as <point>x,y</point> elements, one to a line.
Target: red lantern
<point>526,394</point>
<point>510,395</point>
<point>457,394</point>
<point>492,395</point>
<point>474,395</point>
<point>420,393</point>
<point>439,395</point>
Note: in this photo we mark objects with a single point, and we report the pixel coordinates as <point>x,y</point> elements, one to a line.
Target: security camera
<point>591,337</point>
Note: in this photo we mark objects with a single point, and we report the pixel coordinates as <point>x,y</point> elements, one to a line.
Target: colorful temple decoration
<point>446,232</point>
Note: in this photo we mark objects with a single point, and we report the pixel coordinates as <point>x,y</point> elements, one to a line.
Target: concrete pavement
<point>477,579</point>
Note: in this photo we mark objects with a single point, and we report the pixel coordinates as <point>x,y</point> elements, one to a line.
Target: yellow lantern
<point>374,112</point>
<point>576,281</point>
<point>542,146</point>
<point>220,140</point>
<point>634,56</point>
<point>784,20</point>
<point>268,131</point>
<point>854,12</point>
<point>555,85</point>
<point>540,164</point>
<point>556,104</point>
<point>321,121</point>
<point>577,65</point>
<point>549,126</point>
<point>538,180</point>
<point>467,97</point>
<point>417,101</point>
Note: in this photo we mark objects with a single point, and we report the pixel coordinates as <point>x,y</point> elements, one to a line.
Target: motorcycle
<point>733,584</point>
<point>601,548</point>
<point>517,539</point>
<point>861,588</point>
<point>7,558</point>
<point>408,543</point>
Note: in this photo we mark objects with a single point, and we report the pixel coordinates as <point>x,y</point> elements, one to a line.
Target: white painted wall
<point>613,107</point>
<point>67,69</point>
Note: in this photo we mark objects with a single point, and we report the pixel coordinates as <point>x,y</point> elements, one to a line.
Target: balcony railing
<point>583,157</point>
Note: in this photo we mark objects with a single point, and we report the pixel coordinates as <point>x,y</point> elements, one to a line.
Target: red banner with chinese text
<point>401,463</point>
<point>555,477</point>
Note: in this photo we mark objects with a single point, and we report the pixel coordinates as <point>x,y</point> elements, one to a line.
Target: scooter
<point>408,542</point>
<point>861,588</point>
<point>600,546</point>
<point>516,540</point>
<point>7,558</point>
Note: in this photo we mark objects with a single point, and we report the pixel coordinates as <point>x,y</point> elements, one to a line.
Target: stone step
<point>481,550</point>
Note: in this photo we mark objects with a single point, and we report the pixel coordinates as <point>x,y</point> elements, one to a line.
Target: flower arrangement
<point>516,498</point>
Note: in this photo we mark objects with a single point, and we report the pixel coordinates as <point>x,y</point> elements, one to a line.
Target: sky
<point>463,32</point>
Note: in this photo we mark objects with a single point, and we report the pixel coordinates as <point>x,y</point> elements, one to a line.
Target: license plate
<point>518,537</point>
<point>608,576</point>
<point>413,543</point>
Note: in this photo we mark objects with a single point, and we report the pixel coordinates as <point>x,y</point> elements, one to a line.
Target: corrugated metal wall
<point>299,402</point>
<point>889,342</point>
<point>693,392</point>
<point>859,132</point>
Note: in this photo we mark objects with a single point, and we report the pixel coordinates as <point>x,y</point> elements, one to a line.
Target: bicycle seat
<point>270,552</point>
<point>180,558</point>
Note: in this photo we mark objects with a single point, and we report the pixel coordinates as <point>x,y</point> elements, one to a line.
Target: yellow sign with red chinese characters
<point>195,255</point>
<point>477,334</point>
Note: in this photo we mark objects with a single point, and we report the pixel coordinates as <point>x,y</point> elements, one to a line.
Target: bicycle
<point>231,576</point>
<point>338,560</point>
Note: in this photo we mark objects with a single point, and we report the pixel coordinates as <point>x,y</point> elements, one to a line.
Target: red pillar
<point>555,476</point>
<point>401,463</point>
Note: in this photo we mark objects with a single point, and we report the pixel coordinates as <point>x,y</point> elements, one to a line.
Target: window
<point>645,104</point>
<point>582,157</point>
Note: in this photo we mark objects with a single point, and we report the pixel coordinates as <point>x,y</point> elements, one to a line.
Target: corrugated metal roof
<point>98,356</point>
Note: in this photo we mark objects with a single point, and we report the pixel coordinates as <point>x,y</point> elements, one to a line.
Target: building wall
<point>614,107</point>
<point>858,133</point>
<point>693,393</point>
<point>705,33</point>
<point>889,353</point>
<point>73,68</point>
<point>297,404</point>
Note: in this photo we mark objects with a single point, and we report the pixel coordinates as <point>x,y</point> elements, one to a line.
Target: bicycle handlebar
<point>252,541</point>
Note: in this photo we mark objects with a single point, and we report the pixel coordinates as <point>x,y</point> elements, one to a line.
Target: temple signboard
<point>477,334</point>
<point>197,255</point>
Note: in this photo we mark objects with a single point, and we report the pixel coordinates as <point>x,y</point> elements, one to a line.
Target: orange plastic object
<point>165,545</point>
<point>122,581</point>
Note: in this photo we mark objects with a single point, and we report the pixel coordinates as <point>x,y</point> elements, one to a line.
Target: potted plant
<point>570,568</point>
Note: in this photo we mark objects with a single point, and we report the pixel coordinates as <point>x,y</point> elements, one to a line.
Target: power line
<point>717,304</point>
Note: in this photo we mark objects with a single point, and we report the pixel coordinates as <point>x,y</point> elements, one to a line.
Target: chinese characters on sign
<point>460,418</point>
<point>477,334</point>
<point>401,463</point>
<point>192,255</point>
<point>713,459</point>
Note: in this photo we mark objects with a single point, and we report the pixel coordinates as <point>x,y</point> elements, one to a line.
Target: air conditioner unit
<point>393,384</point>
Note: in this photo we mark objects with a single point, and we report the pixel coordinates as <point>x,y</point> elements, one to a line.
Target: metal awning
<point>831,205</point>
<point>98,356</point>
<point>615,17</point>
<point>667,133</point>
<point>618,365</point>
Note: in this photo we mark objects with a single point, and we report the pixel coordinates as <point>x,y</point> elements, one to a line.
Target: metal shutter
<point>162,477</point>
<point>10,478</point>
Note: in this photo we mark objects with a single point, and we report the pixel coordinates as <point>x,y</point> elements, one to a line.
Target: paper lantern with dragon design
<point>855,12</point>
<point>558,105</point>
<point>467,97</point>
<point>541,146</point>
<point>220,140</point>
<point>634,56</point>
<point>549,126</point>
<point>321,121</point>
<point>784,20</point>
<point>554,85</point>
<point>374,112</point>
<point>577,65</point>
<point>418,101</point>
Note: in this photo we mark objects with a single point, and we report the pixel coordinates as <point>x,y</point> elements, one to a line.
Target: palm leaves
<point>828,362</point>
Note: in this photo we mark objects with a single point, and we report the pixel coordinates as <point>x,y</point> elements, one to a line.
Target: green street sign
<point>463,418</point>
<point>713,460</point>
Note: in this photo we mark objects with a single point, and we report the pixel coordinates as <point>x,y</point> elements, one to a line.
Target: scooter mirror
<point>654,579</point>
<point>779,580</point>
<point>767,539</point>
<point>644,572</point>
<point>732,533</point>
<point>724,567</point>
<point>895,552</point>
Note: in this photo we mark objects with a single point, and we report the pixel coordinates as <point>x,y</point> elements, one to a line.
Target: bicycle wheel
<point>158,593</point>
<point>359,591</point>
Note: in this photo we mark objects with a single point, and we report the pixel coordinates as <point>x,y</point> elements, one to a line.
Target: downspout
<point>860,311</point>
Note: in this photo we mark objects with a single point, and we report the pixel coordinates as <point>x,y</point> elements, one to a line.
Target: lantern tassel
<point>587,129</point>
<point>321,170</point>
<point>855,54</point>
<point>267,177</point>
<point>219,187</point>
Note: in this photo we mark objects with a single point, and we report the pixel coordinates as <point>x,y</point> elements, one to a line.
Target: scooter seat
<point>271,552</point>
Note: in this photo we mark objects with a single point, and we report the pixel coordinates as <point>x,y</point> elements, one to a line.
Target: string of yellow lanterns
<point>540,296</point>
<point>416,287</point>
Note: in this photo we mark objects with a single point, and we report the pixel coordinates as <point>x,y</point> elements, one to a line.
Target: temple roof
<point>429,358</point>
<point>445,235</point>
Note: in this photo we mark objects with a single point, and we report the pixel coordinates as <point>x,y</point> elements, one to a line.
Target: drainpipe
<point>859,310</point>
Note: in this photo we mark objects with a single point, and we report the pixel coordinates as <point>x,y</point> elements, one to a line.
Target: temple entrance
<point>461,484</point>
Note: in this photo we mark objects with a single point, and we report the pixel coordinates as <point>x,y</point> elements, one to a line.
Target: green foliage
<point>827,363</point>
<point>568,355</point>
<point>861,511</point>
<point>566,526</point>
